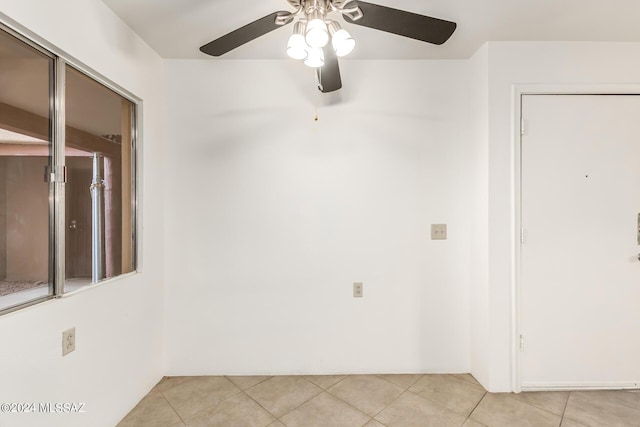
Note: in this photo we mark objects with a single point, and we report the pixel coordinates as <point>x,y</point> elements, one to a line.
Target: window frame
<point>57,160</point>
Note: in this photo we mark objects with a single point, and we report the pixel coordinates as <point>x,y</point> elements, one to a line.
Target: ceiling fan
<point>319,40</point>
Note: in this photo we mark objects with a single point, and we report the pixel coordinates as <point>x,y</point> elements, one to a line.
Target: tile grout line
<point>258,403</point>
<point>312,397</point>
<point>460,380</point>
<point>349,404</point>
<point>433,402</point>
<point>360,410</point>
<point>373,419</point>
<point>436,402</point>
<point>629,407</point>
<point>442,405</point>
<point>161,393</point>
<point>616,403</point>
<point>476,407</point>
<point>564,410</point>
<point>175,385</point>
<point>268,411</point>
<point>318,385</point>
<point>169,403</point>
<point>475,383</point>
<point>391,403</point>
<point>171,406</point>
<point>620,403</point>
<point>288,412</point>
<point>471,419</point>
<point>253,385</point>
<point>391,382</point>
<point>508,395</point>
<point>215,405</point>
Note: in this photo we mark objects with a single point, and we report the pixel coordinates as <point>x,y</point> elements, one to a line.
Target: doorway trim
<point>517,124</point>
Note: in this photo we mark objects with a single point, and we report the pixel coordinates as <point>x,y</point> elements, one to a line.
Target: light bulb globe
<point>342,42</point>
<point>315,58</point>
<point>297,47</point>
<point>317,34</point>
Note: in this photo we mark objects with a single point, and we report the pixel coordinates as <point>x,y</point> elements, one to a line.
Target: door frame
<point>518,91</point>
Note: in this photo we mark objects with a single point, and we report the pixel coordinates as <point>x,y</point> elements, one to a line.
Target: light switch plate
<point>438,231</point>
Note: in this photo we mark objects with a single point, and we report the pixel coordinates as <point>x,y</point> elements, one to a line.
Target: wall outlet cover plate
<point>357,290</point>
<point>68,341</point>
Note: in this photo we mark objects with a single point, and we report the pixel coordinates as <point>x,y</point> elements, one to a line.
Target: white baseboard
<point>623,385</point>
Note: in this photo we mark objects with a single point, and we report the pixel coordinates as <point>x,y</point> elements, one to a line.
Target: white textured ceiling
<point>177,28</point>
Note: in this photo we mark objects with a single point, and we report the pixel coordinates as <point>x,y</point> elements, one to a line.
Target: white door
<point>580,273</point>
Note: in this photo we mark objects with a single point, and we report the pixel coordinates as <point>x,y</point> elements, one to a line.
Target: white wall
<point>479,214</point>
<point>119,349</point>
<point>272,216</point>
<point>530,63</point>
<point>298,210</point>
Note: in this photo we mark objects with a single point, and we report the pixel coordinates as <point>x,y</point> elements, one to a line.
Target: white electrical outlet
<point>357,290</point>
<point>68,341</point>
<point>438,231</point>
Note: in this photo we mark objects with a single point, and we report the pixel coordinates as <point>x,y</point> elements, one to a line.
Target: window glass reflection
<point>99,189</point>
<point>25,143</point>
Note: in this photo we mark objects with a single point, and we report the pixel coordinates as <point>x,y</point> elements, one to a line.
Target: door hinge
<point>522,235</point>
<point>521,343</point>
<point>522,128</point>
<point>55,174</point>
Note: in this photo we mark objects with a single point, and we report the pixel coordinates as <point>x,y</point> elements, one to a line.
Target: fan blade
<point>243,35</point>
<point>402,23</point>
<point>329,74</point>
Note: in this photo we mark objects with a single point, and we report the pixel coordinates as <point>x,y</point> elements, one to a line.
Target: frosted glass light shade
<point>315,58</point>
<point>342,42</point>
<point>317,34</point>
<point>297,47</point>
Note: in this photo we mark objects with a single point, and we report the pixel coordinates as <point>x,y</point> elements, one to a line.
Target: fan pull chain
<point>315,116</point>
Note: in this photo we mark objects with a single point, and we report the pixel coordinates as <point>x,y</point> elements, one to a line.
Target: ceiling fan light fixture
<point>315,58</point>
<point>341,40</point>
<point>316,29</point>
<point>317,34</point>
<point>297,46</point>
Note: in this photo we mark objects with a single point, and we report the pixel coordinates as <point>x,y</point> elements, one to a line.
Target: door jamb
<point>518,91</point>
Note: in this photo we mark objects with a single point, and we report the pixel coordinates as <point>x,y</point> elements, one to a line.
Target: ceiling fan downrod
<point>348,8</point>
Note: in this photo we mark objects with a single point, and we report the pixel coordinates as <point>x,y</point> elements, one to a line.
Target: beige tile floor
<point>372,401</point>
